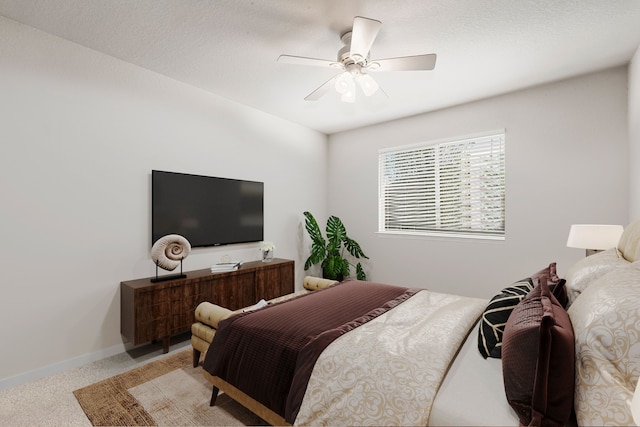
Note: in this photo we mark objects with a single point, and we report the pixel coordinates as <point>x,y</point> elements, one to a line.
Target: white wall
<point>634,137</point>
<point>566,160</point>
<point>80,133</point>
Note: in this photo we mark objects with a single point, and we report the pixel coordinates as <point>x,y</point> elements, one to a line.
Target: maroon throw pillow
<point>550,272</point>
<point>555,283</point>
<point>559,290</point>
<point>538,359</point>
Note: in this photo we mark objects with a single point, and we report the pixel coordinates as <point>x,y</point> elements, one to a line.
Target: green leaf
<point>360,274</point>
<point>345,270</point>
<point>318,243</point>
<point>354,248</point>
<point>316,256</point>
<point>336,232</point>
<point>314,230</point>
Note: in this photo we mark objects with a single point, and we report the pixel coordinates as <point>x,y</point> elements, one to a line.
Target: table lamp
<point>594,237</point>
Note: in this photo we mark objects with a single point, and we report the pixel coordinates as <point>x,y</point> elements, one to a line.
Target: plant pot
<point>339,277</point>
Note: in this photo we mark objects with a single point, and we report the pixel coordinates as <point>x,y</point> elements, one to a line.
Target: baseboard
<point>46,371</point>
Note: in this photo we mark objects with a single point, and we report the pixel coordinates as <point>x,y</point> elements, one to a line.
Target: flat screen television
<point>206,210</point>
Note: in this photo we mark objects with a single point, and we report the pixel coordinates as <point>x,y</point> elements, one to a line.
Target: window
<point>453,188</point>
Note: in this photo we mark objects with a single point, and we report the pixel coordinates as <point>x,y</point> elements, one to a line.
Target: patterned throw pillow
<point>500,307</point>
<point>497,313</point>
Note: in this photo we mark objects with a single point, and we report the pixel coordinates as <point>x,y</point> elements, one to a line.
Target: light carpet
<point>165,392</point>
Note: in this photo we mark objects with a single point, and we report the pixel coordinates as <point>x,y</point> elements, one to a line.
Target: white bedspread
<point>388,371</point>
<point>472,393</point>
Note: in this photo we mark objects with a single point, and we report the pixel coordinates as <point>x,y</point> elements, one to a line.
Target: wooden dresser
<point>153,311</point>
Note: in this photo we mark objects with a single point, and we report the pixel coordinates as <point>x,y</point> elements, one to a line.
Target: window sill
<point>441,235</point>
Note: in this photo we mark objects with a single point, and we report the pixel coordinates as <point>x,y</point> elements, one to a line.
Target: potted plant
<point>330,252</point>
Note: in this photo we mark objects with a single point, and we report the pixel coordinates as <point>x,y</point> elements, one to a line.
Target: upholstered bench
<point>208,316</point>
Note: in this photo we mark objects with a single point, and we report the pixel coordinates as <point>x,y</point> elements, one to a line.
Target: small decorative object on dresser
<point>266,251</point>
<point>167,253</point>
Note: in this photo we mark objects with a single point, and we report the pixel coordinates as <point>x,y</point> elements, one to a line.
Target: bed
<point>542,351</point>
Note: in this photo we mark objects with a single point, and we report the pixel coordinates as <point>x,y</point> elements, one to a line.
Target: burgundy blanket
<point>269,354</point>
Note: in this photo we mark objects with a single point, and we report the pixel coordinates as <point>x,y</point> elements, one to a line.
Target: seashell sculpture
<point>168,251</point>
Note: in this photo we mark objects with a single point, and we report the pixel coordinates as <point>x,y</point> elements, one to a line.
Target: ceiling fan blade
<point>324,88</point>
<point>301,60</point>
<point>405,63</point>
<point>380,90</point>
<point>364,32</point>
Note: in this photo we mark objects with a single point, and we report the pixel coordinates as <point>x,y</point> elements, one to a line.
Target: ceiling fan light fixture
<point>349,96</point>
<point>354,57</point>
<point>368,85</point>
<point>346,86</point>
<point>344,83</point>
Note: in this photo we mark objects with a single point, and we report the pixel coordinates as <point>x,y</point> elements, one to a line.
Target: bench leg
<point>196,358</point>
<point>214,396</point>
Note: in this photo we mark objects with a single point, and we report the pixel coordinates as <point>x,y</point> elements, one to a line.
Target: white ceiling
<point>230,47</point>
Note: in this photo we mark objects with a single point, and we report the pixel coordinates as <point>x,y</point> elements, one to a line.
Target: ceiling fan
<point>354,61</point>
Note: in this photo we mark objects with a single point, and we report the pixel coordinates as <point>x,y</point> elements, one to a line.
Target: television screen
<point>207,211</point>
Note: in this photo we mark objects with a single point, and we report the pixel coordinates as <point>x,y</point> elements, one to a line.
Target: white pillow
<point>605,321</point>
<point>585,271</point>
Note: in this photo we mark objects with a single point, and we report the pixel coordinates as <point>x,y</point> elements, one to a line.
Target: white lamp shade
<point>594,236</point>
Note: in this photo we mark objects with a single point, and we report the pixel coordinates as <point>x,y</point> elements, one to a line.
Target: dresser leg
<point>165,344</point>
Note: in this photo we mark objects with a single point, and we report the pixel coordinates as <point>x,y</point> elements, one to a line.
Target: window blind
<point>452,187</point>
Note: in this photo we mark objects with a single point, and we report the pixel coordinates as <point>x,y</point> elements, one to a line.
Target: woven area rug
<point>165,392</point>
